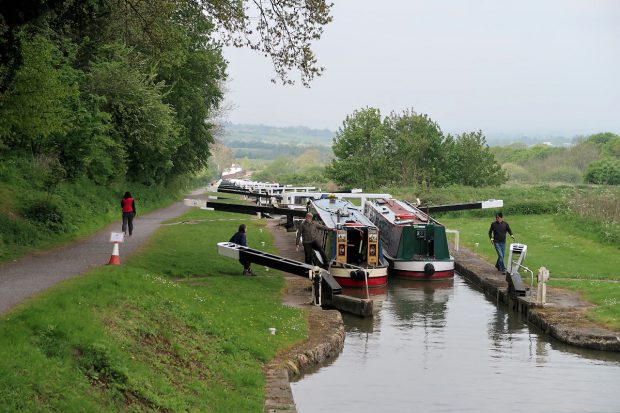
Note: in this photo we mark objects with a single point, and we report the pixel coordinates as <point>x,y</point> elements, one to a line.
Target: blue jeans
<point>500,248</point>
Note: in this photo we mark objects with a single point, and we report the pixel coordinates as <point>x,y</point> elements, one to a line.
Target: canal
<point>443,347</point>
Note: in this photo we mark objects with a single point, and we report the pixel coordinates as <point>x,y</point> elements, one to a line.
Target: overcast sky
<point>545,67</point>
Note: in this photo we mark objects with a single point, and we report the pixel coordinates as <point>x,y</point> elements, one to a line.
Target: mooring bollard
<point>542,277</point>
<point>315,276</point>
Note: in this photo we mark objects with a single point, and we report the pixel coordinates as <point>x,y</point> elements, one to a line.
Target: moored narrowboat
<point>354,249</point>
<point>415,245</point>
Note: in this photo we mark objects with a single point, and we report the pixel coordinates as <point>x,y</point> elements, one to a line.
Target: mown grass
<point>575,259</point>
<point>176,328</point>
<point>550,244</point>
<point>606,294</point>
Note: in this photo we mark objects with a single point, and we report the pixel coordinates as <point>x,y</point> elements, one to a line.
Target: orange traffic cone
<point>115,259</point>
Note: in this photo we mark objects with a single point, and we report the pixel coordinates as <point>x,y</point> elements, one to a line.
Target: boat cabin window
<point>356,246</point>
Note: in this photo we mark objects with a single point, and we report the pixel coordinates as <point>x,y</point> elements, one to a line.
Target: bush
<point>518,173</point>
<point>46,213</point>
<point>16,232</point>
<point>606,171</point>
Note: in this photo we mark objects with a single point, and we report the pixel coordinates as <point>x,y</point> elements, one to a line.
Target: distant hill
<point>296,135</point>
<point>304,136</point>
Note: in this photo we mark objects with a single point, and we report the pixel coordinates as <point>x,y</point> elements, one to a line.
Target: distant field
<point>275,135</point>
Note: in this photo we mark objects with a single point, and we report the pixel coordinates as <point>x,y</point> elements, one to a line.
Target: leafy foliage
<point>129,89</point>
<point>362,151</point>
<point>36,105</point>
<point>143,124</point>
<point>470,162</point>
<point>409,149</point>
<point>590,159</point>
<point>416,146</point>
<point>281,29</point>
<point>39,208</point>
<point>45,212</point>
<point>606,171</point>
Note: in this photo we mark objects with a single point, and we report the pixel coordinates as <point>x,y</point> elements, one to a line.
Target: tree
<point>471,163</point>
<point>37,105</point>
<point>409,149</point>
<point>308,158</point>
<point>608,142</point>
<point>362,151</point>
<point>280,29</point>
<point>133,85</point>
<point>142,123</point>
<point>416,148</point>
<point>605,171</point>
<point>221,158</point>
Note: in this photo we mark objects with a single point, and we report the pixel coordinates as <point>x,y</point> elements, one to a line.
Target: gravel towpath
<point>34,273</point>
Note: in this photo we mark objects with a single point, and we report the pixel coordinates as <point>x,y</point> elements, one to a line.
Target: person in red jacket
<point>128,207</point>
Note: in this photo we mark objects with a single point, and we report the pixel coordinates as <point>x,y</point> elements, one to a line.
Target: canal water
<point>443,347</point>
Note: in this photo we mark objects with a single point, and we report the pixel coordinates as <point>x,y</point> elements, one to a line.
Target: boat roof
<point>399,212</point>
<point>335,212</point>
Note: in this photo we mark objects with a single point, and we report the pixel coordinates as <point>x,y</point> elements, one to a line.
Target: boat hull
<point>377,277</point>
<point>414,269</point>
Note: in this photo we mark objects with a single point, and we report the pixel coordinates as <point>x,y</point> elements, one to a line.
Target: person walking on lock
<point>497,234</point>
<point>240,238</point>
<point>128,206</point>
<point>308,233</point>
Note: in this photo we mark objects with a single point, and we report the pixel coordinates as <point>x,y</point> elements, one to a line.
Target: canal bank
<point>563,317</point>
<point>325,332</point>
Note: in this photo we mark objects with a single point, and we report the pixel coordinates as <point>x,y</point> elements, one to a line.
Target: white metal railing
<point>531,276</point>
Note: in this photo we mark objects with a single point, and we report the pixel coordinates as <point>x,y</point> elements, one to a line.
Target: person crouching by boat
<point>497,234</point>
<point>308,233</point>
<point>128,206</point>
<point>240,239</point>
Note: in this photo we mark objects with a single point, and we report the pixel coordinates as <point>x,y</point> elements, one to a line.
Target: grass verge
<point>177,328</point>
<point>36,215</point>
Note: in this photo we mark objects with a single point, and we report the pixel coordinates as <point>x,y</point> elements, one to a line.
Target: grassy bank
<point>176,328</point>
<point>575,258</point>
<point>37,211</point>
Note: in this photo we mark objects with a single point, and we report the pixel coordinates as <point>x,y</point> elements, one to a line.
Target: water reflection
<point>421,302</point>
<point>444,347</point>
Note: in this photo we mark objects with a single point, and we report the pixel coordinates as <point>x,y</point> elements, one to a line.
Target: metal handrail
<point>456,238</point>
<point>531,276</point>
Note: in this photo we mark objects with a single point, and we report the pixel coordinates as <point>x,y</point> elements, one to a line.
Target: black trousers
<point>128,221</point>
<point>245,263</point>
<point>309,248</point>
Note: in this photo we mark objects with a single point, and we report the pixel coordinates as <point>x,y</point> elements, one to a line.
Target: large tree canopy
<point>408,149</point>
<point>108,87</point>
<point>362,151</point>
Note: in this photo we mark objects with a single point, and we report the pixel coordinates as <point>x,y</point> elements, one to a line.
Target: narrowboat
<point>354,250</point>
<point>414,244</point>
